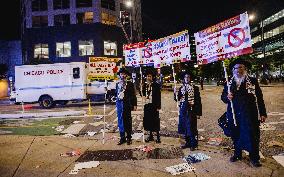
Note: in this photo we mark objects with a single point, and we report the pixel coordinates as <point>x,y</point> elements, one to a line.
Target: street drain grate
<point>131,154</point>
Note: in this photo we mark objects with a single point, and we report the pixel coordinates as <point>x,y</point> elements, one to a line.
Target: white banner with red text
<point>227,39</point>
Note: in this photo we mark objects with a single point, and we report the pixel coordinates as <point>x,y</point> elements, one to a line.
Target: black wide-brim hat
<point>123,70</point>
<point>240,61</point>
<point>151,71</point>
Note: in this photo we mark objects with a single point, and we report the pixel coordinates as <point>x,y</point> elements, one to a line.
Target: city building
<point>268,35</point>
<point>73,30</point>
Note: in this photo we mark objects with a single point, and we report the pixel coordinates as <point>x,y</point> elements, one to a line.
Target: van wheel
<point>46,102</point>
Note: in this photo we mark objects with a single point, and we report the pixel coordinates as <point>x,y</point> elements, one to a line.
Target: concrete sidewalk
<point>40,156</point>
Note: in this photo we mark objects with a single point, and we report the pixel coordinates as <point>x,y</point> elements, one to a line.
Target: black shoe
<point>129,141</point>
<point>158,140</point>
<point>192,148</point>
<point>150,138</point>
<point>121,141</point>
<point>235,158</point>
<point>255,163</point>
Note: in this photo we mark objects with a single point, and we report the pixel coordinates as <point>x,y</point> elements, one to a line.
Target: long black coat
<point>188,115</point>
<point>246,134</point>
<point>124,109</point>
<point>151,119</point>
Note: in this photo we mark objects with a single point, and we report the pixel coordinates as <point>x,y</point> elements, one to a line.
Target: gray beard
<point>239,80</point>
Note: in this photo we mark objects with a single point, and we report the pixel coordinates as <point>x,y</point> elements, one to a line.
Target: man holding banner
<point>125,102</point>
<point>247,100</point>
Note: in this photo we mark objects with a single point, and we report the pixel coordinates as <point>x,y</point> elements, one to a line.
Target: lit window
<point>108,4</point>
<point>39,5</point>
<point>41,51</point>
<point>63,49</point>
<point>281,29</point>
<point>62,20</point>
<point>86,48</point>
<point>86,17</point>
<point>61,4</point>
<point>39,21</point>
<point>83,3</point>
<point>110,48</point>
<point>108,19</point>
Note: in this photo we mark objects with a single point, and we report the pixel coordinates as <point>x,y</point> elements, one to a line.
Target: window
<point>39,21</point>
<point>61,4</point>
<point>108,19</point>
<point>39,5</point>
<point>62,20</point>
<point>86,48</point>
<point>108,4</point>
<point>86,17</point>
<point>63,49</point>
<point>281,29</point>
<point>41,51</point>
<point>83,3</point>
<point>110,48</point>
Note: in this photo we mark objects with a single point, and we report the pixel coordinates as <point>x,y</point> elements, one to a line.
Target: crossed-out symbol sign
<point>238,39</point>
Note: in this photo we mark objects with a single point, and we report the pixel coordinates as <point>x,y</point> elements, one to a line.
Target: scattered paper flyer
<point>84,165</point>
<point>180,168</point>
<point>215,141</point>
<point>137,136</point>
<point>279,158</point>
<point>197,157</point>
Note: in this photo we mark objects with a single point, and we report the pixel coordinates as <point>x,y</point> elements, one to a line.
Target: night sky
<point>163,17</point>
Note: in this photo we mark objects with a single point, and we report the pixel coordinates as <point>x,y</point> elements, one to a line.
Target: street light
<point>129,5</point>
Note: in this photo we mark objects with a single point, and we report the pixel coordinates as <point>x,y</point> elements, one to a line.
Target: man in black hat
<point>247,98</point>
<point>151,91</point>
<point>125,102</point>
<point>190,109</point>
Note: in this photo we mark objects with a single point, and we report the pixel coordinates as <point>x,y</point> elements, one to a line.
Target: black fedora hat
<point>150,71</point>
<point>240,61</point>
<point>123,70</point>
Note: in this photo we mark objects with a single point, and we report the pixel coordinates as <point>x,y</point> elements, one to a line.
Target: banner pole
<point>141,93</point>
<point>105,112</point>
<point>175,87</point>
<point>228,86</point>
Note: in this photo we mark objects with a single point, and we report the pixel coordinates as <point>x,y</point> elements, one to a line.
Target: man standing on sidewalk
<point>190,109</point>
<point>125,102</point>
<point>247,99</point>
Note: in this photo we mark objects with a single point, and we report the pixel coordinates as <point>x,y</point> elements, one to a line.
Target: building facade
<point>74,30</point>
<point>268,35</point>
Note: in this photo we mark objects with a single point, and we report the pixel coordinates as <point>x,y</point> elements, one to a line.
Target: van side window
<point>76,73</point>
